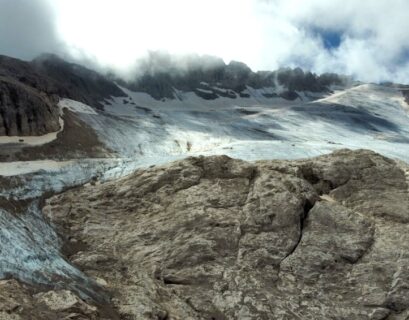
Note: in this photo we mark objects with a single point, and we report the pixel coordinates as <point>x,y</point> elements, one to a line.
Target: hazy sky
<point>366,38</point>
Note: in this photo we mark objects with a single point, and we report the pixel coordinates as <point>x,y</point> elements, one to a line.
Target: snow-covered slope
<point>146,131</point>
<point>366,116</point>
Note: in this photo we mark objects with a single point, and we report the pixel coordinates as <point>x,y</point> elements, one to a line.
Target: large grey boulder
<point>162,75</point>
<point>218,238</point>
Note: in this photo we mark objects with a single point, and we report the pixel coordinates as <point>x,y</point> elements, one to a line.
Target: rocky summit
<point>220,238</point>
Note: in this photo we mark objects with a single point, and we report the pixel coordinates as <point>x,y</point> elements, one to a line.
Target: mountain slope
<point>30,92</point>
<point>77,82</point>
<point>203,237</point>
<point>218,238</point>
<point>210,78</point>
<point>25,111</point>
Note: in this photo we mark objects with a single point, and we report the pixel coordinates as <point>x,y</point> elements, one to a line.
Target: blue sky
<point>330,39</point>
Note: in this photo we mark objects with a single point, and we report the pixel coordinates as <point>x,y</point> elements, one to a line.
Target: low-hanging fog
<point>366,39</point>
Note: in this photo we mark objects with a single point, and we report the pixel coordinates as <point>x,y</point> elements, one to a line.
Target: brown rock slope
<point>27,100</point>
<point>217,238</point>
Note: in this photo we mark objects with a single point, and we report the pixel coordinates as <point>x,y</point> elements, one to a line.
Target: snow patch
<point>76,106</point>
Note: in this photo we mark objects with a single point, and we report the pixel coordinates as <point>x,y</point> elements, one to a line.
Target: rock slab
<point>219,238</point>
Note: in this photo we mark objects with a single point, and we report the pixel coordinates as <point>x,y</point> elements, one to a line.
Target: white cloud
<point>265,34</point>
<point>374,43</point>
<point>116,32</point>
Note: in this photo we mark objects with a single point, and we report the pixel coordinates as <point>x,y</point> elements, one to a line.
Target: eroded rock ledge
<point>25,111</point>
<point>218,238</point>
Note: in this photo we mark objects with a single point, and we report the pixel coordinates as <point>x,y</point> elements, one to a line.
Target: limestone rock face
<point>218,238</point>
<point>63,300</point>
<point>24,111</point>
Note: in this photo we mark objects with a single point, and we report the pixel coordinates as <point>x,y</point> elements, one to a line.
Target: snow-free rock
<point>20,302</point>
<point>218,238</point>
<point>25,111</point>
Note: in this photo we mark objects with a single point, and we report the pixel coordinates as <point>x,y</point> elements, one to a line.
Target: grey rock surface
<point>218,238</point>
<point>21,302</point>
<point>25,111</point>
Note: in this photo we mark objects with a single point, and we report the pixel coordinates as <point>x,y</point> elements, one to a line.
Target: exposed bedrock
<point>29,93</point>
<point>25,111</point>
<point>218,238</point>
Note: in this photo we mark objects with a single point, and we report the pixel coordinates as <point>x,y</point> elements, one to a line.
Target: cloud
<point>27,28</point>
<point>373,36</point>
<point>116,32</point>
<point>366,39</point>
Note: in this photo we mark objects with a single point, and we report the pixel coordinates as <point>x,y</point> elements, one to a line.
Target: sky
<point>367,39</point>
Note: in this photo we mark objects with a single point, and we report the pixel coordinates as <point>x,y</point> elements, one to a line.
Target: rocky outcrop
<point>20,302</point>
<point>218,238</point>
<point>54,76</point>
<point>29,93</point>
<point>210,78</point>
<point>25,111</point>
